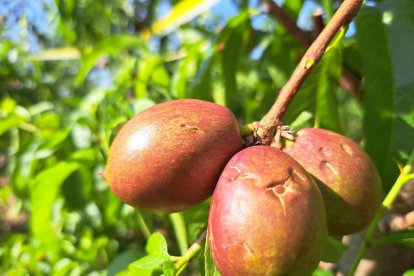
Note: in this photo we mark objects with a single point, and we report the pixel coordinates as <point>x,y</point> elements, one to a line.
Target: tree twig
<point>191,252</point>
<point>348,81</point>
<point>266,128</point>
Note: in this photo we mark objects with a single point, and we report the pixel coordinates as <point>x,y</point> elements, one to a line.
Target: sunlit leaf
<point>168,268</point>
<point>322,272</point>
<point>157,245</point>
<point>10,122</point>
<point>389,123</point>
<point>409,272</point>
<point>44,192</point>
<point>209,265</point>
<point>150,262</point>
<point>181,13</point>
<point>57,54</point>
<point>397,16</point>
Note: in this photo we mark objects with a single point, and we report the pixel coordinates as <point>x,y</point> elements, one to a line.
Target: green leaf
<point>209,265</point>
<point>233,38</point>
<point>201,87</point>
<point>293,7</point>
<point>378,92</point>
<point>149,262</point>
<point>157,245</point>
<point>384,41</point>
<point>168,268</point>
<point>110,46</point>
<point>405,237</point>
<point>333,250</point>
<point>146,265</point>
<point>122,261</point>
<point>327,115</point>
<point>10,122</point>
<point>398,20</point>
<point>196,219</point>
<point>322,272</point>
<point>52,143</point>
<point>409,273</point>
<point>147,66</point>
<point>43,194</point>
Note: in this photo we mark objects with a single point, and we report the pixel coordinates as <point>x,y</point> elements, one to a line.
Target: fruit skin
<point>267,216</point>
<point>347,178</point>
<point>169,157</point>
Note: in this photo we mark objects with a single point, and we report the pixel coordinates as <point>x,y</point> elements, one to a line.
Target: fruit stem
<point>180,232</point>
<point>143,225</point>
<point>191,252</point>
<point>246,129</point>
<point>402,179</point>
<point>343,16</point>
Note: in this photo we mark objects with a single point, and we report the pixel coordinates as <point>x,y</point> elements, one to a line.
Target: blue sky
<point>33,10</point>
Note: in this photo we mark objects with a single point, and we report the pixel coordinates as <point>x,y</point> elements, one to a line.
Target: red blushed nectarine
<point>347,178</point>
<point>170,156</point>
<point>267,216</point>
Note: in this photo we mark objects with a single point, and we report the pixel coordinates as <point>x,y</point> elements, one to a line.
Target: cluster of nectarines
<point>271,208</point>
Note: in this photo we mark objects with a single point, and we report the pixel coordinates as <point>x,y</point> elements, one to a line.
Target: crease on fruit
<point>326,164</point>
<point>279,189</point>
<point>281,200</point>
<point>294,176</point>
<point>247,248</point>
<point>248,176</point>
<point>235,168</point>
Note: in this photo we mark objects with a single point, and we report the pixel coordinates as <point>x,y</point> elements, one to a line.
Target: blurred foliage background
<point>72,72</point>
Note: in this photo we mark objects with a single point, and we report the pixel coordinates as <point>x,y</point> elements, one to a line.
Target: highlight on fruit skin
<point>346,176</point>
<point>267,216</point>
<point>169,157</point>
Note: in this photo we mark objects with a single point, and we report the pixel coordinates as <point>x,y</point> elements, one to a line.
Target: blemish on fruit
<point>347,149</point>
<point>191,128</point>
<point>323,151</point>
<point>241,245</point>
